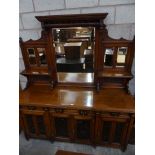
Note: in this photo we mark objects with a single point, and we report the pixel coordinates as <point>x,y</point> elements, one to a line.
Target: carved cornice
<point>95,20</point>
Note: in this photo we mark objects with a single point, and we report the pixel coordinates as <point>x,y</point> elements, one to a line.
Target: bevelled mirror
<point>42,56</point>
<point>32,56</point>
<point>74,50</point>
<point>108,57</point>
<point>121,56</point>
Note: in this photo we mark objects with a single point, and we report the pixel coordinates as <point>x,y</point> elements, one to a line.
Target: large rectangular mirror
<point>74,49</point>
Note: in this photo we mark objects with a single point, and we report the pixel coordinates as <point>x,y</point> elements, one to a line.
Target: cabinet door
<point>61,127</point>
<point>112,130</point>
<point>84,129</point>
<point>36,123</point>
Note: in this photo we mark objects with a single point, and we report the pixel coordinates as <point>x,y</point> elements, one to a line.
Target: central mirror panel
<point>74,50</point>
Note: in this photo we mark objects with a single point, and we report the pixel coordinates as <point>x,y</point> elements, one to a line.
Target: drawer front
<point>118,115</point>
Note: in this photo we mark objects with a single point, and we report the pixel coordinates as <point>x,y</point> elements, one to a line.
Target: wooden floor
<point>75,77</point>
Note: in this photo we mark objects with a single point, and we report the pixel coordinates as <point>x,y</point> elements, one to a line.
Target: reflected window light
<point>89,77</point>
<point>89,100</point>
<point>71,76</point>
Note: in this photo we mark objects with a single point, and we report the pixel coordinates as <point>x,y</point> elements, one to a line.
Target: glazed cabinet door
<point>84,127</point>
<point>111,129</point>
<point>36,123</point>
<point>61,124</point>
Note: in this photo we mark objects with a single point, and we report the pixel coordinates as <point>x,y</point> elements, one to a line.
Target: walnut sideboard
<point>77,115</point>
<point>93,105</point>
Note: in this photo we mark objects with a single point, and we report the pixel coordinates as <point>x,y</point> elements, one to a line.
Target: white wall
<point>120,20</point>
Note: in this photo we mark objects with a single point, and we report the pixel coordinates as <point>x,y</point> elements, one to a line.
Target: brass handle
<point>98,113</point>
<point>31,107</point>
<point>114,114</point>
<point>59,110</point>
<point>83,112</point>
<point>46,109</point>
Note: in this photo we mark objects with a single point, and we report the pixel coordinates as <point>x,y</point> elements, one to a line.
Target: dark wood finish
<point>82,109</point>
<point>84,127</point>
<point>37,73</point>
<point>61,152</point>
<point>21,126</point>
<point>72,20</point>
<point>104,117</point>
<point>61,124</point>
<point>113,100</point>
<point>33,126</point>
<point>114,76</point>
<point>115,137</point>
<point>102,42</point>
<point>131,131</point>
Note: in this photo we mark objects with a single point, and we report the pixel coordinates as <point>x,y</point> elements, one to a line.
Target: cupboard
<point>91,103</point>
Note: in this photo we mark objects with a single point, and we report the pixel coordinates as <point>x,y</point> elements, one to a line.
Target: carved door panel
<point>36,123</point>
<point>84,129</point>
<point>61,129</point>
<point>61,124</point>
<point>111,129</point>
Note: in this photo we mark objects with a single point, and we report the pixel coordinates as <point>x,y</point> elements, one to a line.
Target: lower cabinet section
<point>80,126</point>
<point>75,126</point>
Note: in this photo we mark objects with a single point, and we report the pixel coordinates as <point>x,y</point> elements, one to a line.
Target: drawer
<point>82,112</point>
<point>114,114</point>
<point>29,107</point>
<point>73,112</point>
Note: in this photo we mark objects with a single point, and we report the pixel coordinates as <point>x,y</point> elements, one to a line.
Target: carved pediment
<point>94,20</point>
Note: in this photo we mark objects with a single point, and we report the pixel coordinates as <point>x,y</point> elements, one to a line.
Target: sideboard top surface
<point>116,100</point>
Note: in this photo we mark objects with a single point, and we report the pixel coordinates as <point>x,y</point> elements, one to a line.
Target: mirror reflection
<point>31,55</point>
<point>121,56</point>
<point>42,56</point>
<point>74,49</point>
<point>108,57</point>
